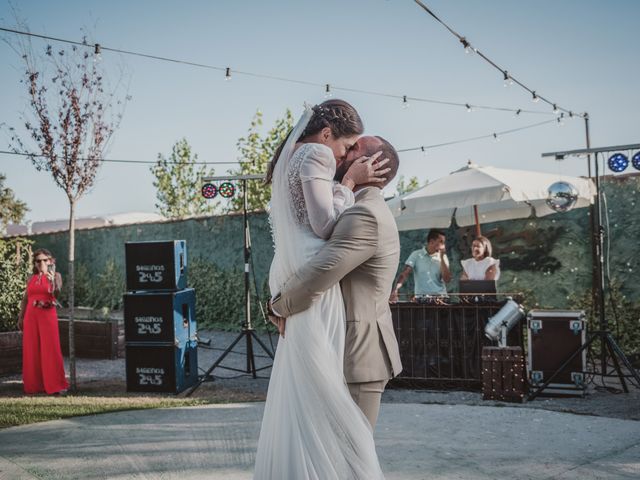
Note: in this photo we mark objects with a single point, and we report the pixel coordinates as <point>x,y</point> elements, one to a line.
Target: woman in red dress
<point>42,364</point>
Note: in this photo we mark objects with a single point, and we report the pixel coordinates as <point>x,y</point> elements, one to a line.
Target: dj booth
<point>441,344</point>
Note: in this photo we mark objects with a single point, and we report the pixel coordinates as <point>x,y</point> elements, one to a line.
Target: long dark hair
<point>338,115</point>
<point>40,251</point>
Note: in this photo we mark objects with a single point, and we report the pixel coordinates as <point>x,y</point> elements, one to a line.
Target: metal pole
<point>247,292</point>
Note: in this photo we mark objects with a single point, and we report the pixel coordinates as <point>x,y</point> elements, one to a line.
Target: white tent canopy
<point>499,194</point>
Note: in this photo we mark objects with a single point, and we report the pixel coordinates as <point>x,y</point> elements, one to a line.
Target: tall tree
<point>69,123</point>
<point>178,182</point>
<point>256,152</point>
<point>11,209</point>
<point>412,184</point>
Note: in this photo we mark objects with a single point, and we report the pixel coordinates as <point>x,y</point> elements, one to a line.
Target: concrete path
<point>414,441</point>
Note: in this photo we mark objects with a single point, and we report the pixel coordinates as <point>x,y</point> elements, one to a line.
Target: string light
<point>534,97</point>
<point>517,114</point>
<point>466,45</point>
<point>327,91</point>
<point>507,79</point>
<point>227,71</point>
<point>469,109</point>
<point>97,52</point>
<point>496,138</point>
<point>479,137</point>
<point>555,109</point>
<point>468,48</point>
<point>405,103</point>
<point>561,119</point>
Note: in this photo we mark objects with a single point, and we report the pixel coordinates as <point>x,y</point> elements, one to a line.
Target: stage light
<point>635,161</point>
<point>504,320</point>
<point>226,190</point>
<point>209,190</point>
<point>618,162</point>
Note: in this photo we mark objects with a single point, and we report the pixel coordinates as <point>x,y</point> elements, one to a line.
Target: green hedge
<point>15,268</point>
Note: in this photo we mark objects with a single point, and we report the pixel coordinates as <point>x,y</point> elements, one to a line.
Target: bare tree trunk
<point>71,283</point>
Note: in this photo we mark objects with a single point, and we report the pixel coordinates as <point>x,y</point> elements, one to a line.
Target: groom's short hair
<point>394,161</point>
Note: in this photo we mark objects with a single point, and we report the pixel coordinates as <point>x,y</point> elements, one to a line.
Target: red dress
<point>42,364</point>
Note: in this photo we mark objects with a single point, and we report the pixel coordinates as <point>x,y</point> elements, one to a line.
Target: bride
<point>312,429</point>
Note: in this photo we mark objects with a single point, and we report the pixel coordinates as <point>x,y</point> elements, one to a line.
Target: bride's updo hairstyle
<point>338,115</point>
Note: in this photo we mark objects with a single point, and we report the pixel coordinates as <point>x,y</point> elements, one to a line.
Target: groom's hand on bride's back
<point>279,322</point>
<point>276,320</point>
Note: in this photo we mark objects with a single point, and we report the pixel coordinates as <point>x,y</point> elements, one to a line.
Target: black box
<point>156,265</point>
<point>161,368</point>
<point>160,317</point>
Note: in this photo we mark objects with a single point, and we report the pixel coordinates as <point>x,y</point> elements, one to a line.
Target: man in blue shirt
<point>430,267</point>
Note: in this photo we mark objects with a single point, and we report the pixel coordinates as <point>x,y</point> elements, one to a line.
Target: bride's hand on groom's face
<point>367,170</point>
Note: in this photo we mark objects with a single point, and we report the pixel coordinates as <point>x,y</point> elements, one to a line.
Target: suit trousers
<point>367,396</point>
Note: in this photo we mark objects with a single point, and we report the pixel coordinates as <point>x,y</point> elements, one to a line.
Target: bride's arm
<point>325,201</point>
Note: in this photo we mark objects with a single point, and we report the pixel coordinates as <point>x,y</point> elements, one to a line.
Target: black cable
<point>110,160</point>
<point>228,71</point>
<point>480,137</point>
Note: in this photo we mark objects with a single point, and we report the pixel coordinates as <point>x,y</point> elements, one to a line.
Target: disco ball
<point>562,196</point>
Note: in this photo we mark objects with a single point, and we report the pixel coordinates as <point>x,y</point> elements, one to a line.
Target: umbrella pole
<point>475,212</point>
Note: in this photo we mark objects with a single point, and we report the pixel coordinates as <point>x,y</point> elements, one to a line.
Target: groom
<point>362,254</point>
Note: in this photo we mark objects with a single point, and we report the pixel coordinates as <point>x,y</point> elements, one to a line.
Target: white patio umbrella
<point>475,195</point>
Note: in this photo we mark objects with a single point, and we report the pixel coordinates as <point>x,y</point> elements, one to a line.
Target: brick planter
<point>94,338</point>
<point>10,352</point>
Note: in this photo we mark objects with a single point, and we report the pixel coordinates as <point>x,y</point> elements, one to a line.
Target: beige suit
<point>362,254</point>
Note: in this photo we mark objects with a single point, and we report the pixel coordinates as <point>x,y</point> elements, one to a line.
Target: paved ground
<point>421,434</point>
<point>414,442</point>
<point>108,377</point>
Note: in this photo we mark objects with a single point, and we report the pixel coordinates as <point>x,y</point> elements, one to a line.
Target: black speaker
<point>165,317</point>
<point>161,368</point>
<point>156,265</point>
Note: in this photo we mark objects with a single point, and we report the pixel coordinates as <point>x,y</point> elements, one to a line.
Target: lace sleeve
<point>325,201</point>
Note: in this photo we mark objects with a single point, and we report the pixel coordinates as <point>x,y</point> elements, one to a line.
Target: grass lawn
<point>105,396</point>
<point>23,410</point>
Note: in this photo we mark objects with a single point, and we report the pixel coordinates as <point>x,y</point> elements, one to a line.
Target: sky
<point>582,54</point>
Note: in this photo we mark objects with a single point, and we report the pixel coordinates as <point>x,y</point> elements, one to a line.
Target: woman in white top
<point>311,427</point>
<point>481,266</point>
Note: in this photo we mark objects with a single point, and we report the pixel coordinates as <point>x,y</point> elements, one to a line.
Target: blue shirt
<point>427,277</point>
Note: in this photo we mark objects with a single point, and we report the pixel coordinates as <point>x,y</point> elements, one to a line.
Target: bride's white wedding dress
<point>312,428</point>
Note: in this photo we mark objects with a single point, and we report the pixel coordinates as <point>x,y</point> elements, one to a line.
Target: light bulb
<point>405,103</point>
<point>97,52</point>
<point>469,108</point>
<point>535,98</point>
<point>327,91</point>
<point>227,74</point>
<point>555,109</point>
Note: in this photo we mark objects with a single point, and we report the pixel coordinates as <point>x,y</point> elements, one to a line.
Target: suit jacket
<point>363,254</point>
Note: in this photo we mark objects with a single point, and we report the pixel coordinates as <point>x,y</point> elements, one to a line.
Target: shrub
<point>15,268</point>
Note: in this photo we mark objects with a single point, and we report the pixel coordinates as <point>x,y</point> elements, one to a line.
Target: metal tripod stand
<point>247,333</point>
<point>609,347</point>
